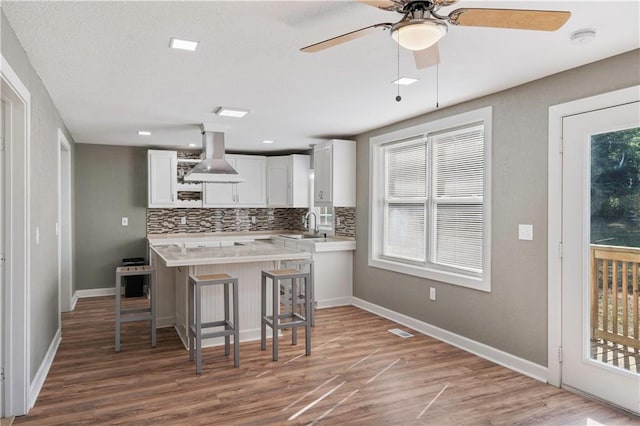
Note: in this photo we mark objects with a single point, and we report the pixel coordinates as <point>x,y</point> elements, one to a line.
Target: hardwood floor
<point>360,375</point>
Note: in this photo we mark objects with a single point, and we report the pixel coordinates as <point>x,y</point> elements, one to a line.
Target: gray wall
<point>513,316</point>
<point>110,183</point>
<point>45,122</point>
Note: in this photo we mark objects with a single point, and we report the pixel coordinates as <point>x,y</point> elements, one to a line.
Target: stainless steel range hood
<point>214,168</point>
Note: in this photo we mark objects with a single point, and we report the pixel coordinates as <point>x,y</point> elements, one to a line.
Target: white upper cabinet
<point>335,173</point>
<point>250,193</point>
<point>288,181</point>
<point>162,168</point>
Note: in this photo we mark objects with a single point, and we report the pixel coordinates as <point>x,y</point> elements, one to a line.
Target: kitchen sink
<point>302,236</point>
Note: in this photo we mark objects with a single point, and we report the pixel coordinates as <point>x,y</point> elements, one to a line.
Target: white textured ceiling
<point>110,72</point>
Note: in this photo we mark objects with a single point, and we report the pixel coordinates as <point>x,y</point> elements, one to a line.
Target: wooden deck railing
<point>614,294</point>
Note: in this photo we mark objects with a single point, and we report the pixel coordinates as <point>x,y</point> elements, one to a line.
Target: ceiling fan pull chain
<point>437,85</point>
<point>398,97</point>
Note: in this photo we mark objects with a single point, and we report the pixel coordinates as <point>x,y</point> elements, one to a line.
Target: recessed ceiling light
<point>231,112</point>
<point>267,141</point>
<point>404,81</point>
<point>177,43</point>
<point>144,133</point>
<point>192,145</point>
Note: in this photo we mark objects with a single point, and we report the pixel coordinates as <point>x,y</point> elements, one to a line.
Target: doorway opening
<point>65,268</point>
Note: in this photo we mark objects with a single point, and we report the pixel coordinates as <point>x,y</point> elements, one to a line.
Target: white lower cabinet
<point>333,273</point>
<point>333,278</point>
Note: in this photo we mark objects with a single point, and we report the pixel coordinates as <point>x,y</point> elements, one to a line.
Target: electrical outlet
<point>183,220</point>
<point>125,221</point>
<point>337,221</point>
<point>253,220</point>
<point>432,293</point>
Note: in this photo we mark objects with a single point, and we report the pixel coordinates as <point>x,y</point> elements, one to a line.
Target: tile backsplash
<point>345,221</point>
<point>169,221</point>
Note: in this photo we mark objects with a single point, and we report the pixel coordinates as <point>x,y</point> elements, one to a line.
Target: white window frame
<point>376,205</point>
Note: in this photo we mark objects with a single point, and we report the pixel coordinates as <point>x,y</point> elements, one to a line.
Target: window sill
<point>447,277</point>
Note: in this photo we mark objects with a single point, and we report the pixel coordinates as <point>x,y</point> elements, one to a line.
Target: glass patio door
<point>601,254</point>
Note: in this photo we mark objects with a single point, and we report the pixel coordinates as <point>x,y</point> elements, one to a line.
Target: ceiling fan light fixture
<point>418,34</point>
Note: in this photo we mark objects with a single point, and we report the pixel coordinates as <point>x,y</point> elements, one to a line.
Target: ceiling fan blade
<point>540,20</point>
<point>427,57</point>
<point>380,4</point>
<point>343,38</point>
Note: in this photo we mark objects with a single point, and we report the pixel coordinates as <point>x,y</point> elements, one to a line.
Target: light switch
<point>432,293</point>
<point>525,232</point>
<point>37,235</point>
<point>125,221</point>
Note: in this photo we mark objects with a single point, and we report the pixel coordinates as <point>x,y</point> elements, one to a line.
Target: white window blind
<point>406,170</point>
<point>458,182</point>
<point>405,201</point>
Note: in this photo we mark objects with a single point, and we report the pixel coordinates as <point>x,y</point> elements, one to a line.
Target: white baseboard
<point>74,300</point>
<point>490,353</point>
<point>164,322</point>
<point>94,292</point>
<point>43,370</point>
<point>332,303</point>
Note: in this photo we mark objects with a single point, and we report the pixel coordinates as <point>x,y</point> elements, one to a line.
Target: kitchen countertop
<point>176,255</point>
<point>283,238</point>
<point>163,239</point>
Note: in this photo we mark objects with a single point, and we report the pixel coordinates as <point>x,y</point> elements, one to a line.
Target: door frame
<point>17,327</point>
<point>554,214</point>
<point>64,228</point>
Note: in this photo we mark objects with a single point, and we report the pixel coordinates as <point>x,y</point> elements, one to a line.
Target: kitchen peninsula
<point>244,260</point>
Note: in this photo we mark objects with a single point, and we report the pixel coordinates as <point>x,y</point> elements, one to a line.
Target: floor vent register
<point>400,333</point>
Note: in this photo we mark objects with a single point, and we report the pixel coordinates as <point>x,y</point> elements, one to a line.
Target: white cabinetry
<point>250,193</point>
<point>288,181</point>
<point>162,178</point>
<point>335,173</point>
<point>332,272</point>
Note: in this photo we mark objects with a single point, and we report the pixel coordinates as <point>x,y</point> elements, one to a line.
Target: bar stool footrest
<point>134,311</point>
<point>133,318</point>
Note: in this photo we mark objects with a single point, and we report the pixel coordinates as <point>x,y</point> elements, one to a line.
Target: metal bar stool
<point>302,265</point>
<point>135,314</point>
<point>197,328</point>
<point>293,319</point>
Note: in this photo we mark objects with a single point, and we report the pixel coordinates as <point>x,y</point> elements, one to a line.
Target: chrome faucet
<point>316,229</point>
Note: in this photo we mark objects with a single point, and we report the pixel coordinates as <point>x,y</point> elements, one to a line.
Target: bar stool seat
<point>198,330</point>
<point>291,318</point>
<point>135,314</point>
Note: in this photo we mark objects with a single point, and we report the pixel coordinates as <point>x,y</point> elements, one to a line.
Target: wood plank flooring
<point>358,374</point>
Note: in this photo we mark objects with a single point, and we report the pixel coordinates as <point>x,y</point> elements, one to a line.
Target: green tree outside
<point>615,188</point>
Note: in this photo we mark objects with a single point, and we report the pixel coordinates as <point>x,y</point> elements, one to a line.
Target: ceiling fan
<point>421,26</point>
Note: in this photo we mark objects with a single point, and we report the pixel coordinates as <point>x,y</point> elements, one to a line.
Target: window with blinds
<point>433,200</point>
<point>458,182</point>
